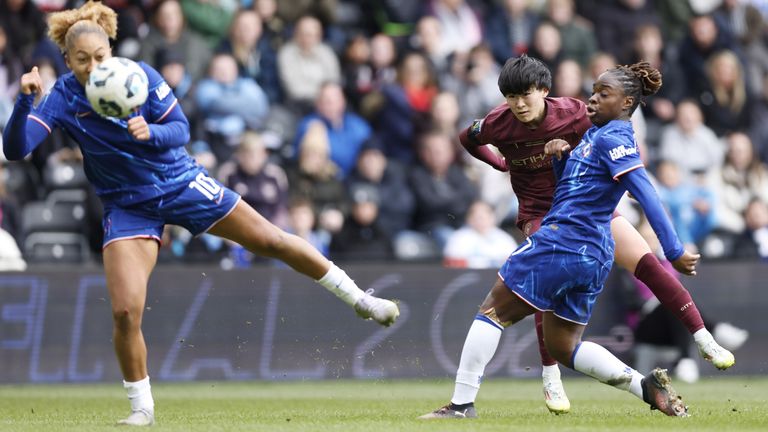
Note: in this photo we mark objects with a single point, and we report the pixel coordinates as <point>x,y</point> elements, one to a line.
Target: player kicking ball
<point>519,129</point>
<point>146,179</point>
<point>561,269</point>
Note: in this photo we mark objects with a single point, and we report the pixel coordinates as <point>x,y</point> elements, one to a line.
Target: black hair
<point>638,80</point>
<point>519,74</point>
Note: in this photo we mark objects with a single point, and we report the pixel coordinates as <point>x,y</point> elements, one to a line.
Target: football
<point>116,86</point>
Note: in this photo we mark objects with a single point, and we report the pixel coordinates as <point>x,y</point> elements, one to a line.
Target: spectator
<point>361,238</point>
<point>460,27</point>
<point>261,183</point>
<point>547,45</point>
<point>576,33</point>
<point>10,211</point>
<point>24,26</point>
<point>209,18</point>
<point>305,63</point>
<point>689,143</point>
<point>406,104</point>
<point>396,200</point>
<point>479,243</point>
<point>428,39</point>
<point>11,69</point>
<point>660,109</point>
<point>726,103</point>
<point>443,192</point>
<point>690,203</point>
<point>229,104</point>
<point>744,21</point>
<point>759,129</point>
<point>301,217</point>
<point>617,23</point>
<point>273,25</point>
<point>256,58</point>
<point>754,242</point>
<point>569,81</point>
<point>168,32</point>
<point>741,178</point>
<point>509,29</point>
<point>315,177</point>
<point>346,130</point>
<point>703,39</point>
<point>357,70</point>
<point>476,84</point>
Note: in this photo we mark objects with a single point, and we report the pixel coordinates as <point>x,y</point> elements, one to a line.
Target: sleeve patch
<point>621,151</point>
<point>162,91</point>
<point>475,129</point>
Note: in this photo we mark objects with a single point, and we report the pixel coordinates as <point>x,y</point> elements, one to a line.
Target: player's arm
<point>22,136</point>
<point>469,140</point>
<point>639,185</point>
<point>560,150</point>
<point>168,127</point>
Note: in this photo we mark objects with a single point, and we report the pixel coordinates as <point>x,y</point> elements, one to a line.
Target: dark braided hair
<point>638,80</point>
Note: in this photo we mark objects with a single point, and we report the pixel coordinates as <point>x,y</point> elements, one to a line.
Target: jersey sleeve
<point>47,112</point>
<point>161,99</point>
<point>618,153</point>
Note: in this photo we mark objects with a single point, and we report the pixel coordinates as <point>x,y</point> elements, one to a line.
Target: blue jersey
<point>124,171</point>
<point>588,189</point>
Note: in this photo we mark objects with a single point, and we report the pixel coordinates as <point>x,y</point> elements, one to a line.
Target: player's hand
<point>556,147</point>
<point>138,128</point>
<point>686,264</point>
<point>31,83</point>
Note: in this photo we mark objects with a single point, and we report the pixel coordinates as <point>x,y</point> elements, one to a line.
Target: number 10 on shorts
<point>206,186</point>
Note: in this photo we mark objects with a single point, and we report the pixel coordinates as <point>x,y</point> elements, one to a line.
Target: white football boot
<point>139,417</point>
<point>383,311</point>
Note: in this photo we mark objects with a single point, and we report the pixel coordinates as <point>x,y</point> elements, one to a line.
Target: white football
<point>116,87</point>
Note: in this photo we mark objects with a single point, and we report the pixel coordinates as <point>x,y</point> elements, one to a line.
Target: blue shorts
<point>560,281</point>
<point>196,208</point>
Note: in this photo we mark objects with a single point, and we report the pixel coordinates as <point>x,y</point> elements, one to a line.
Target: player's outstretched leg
<point>659,394</point>
<point>383,311</point>
<point>655,389</point>
<point>554,393</point>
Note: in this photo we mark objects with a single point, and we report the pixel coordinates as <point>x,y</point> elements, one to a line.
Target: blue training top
<point>123,170</point>
<point>592,179</point>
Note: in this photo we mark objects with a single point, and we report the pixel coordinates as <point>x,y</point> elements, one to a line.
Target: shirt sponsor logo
<point>621,151</point>
<point>162,91</point>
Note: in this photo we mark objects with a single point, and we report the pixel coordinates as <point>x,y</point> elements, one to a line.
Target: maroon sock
<point>546,359</point>
<point>670,292</point>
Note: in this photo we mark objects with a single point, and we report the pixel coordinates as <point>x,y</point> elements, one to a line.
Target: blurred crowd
<point>338,119</point>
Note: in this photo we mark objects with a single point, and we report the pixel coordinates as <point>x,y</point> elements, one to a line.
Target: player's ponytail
<point>638,80</point>
<point>92,17</point>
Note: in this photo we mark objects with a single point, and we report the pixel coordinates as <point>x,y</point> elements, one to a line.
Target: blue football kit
<point>142,184</point>
<point>562,267</point>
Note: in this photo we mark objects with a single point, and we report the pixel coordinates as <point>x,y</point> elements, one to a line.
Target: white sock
<point>702,336</point>
<point>337,282</point>
<point>594,360</point>
<point>140,395</point>
<point>479,347</point>
<point>550,371</point>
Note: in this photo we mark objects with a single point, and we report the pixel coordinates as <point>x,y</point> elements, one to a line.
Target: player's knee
<point>126,318</point>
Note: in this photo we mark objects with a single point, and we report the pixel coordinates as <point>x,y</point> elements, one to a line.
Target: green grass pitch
<point>722,404</point>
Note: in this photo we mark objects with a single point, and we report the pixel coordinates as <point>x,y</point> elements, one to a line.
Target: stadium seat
<point>59,216</point>
<point>56,247</point>
<point>64,175</point>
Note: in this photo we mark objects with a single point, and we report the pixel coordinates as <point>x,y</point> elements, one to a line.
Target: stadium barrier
<point>273,324</point>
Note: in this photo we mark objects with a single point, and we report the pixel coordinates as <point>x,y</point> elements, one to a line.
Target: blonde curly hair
<point>92,17</point>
